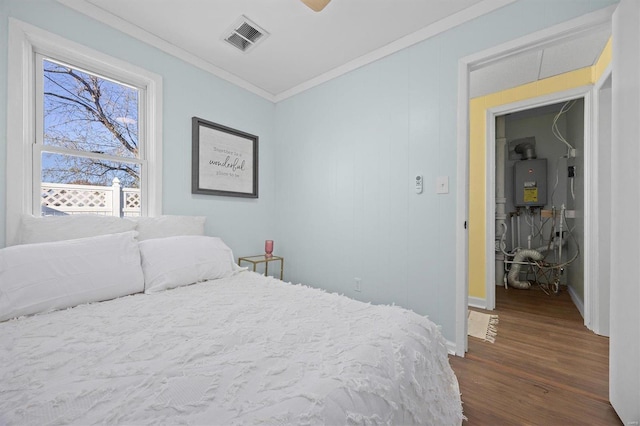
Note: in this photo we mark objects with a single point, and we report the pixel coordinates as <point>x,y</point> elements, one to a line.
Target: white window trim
<point>24,41</point>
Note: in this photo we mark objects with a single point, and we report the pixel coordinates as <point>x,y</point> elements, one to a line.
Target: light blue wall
<point>188,92</point>
<point>3,118</point>
<point>337,163</point>
<point>349,150</point>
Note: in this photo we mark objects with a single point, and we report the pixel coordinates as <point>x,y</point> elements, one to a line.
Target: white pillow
<point>168,226</point>
<point>47,276</point>
<point>177,261</point>
<point>57,228</point>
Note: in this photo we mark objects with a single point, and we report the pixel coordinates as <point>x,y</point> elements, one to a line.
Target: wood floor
<point>545,367</point>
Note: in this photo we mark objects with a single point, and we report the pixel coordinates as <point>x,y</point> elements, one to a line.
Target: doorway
<point>539,199</point>
<point>476,187</point>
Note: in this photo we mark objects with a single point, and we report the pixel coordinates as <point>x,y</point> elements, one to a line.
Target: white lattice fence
<point>131,204</point>
<point>60,199</point>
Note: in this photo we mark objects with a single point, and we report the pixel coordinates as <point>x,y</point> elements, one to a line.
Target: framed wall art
<point>224,160</point>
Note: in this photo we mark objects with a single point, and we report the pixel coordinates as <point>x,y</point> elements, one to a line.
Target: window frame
<point>26,42</point>
<point>40,147</point>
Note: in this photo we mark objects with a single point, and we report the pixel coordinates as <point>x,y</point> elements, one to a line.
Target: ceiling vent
<point>244,34</point>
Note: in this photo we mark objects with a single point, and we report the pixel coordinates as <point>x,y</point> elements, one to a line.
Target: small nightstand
<point>255,260</point>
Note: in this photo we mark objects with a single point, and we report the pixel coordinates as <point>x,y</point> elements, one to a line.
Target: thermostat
<point>419,184</point>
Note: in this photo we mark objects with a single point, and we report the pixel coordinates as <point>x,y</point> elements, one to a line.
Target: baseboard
<point>451,347</point>
<point>476,302</point>
<point>576,300</point>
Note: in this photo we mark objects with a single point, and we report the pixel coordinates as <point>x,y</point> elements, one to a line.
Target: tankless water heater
<point>530,183</point>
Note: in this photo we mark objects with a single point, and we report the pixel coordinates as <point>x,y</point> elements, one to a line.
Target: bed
<point>198,340</point>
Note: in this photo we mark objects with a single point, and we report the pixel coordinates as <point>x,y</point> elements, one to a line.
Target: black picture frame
<point>224,161</point>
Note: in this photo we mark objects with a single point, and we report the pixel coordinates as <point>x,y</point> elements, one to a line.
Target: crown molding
<point>136,32</point>
<point>432,30</point>
<point>425,33</point>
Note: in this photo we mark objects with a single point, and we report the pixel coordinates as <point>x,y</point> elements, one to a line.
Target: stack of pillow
<point>64,261</point>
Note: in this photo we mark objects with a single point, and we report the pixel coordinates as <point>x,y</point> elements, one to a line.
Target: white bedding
<point>239,350</point>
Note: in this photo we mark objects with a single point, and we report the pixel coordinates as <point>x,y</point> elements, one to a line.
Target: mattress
<point>245,349</point>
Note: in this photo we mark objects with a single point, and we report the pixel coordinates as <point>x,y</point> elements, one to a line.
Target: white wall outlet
<point>357,284</point>
<point>442,185</point>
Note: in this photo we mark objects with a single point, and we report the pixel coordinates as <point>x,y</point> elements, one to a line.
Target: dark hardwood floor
<point>545,367</point>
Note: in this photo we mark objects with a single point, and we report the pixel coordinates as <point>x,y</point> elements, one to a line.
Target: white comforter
<point>239,350</point>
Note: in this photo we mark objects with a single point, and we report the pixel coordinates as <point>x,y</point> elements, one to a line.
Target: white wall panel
<point>188,91</point>
<point>337,162</point>
<point>624,344</point>
<point>393,118</point>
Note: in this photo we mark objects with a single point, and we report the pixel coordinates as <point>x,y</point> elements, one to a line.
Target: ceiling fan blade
<point>316,5</point>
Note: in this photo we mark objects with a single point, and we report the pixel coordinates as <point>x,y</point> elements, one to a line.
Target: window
<point>87,142</point>
<point>84,131</point>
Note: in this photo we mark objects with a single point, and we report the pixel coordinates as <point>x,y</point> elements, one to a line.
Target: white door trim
<point>462,210</point>
<point>593,305</point>
<point>547,36</point>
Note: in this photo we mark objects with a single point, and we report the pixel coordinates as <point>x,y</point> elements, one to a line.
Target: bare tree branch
<point>74,106</point>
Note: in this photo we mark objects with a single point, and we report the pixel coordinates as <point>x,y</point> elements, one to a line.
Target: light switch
<point>442,185</point>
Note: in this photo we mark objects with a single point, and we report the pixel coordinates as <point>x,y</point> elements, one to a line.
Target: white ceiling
<point>559,57</point>
<point>305,48</point>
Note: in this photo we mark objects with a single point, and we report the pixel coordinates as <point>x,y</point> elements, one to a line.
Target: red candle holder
<point>268,248</point>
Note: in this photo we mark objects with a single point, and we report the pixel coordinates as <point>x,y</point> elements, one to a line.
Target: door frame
<point>585,93</point>
<point>599,312</point>
<point>547,36</point>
